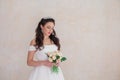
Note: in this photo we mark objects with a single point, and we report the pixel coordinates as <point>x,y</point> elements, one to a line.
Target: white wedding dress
<point>44,72</point>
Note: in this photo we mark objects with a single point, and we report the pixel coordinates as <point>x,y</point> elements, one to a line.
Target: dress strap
<point>31,48</point>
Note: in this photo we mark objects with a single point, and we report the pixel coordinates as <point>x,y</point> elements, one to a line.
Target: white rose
<point>53,57</point>
<point>50,59</point>
<point>50,55</point>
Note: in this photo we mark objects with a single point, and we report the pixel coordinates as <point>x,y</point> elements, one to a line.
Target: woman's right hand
<point>48,63</point>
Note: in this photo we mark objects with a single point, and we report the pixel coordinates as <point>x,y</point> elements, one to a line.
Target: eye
<point>49,27</point>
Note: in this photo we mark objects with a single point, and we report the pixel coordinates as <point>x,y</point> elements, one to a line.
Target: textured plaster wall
<point>89,31</point>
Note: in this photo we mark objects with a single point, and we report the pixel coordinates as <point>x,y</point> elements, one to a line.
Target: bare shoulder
<point>32,42</point>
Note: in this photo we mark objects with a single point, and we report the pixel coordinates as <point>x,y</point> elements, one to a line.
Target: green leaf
<point>63,59</point>
<point>57,57</point>
<point>54,61</point>
<point>55,69</point>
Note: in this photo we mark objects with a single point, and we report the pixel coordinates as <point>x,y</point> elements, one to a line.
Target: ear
<point>41,26</point>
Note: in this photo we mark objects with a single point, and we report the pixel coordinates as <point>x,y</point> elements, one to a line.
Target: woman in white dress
<point>45,41</point>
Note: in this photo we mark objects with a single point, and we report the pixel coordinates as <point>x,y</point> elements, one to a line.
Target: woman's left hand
<point>58,63</point>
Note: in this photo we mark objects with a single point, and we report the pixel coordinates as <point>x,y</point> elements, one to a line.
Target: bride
<point>45,41</point>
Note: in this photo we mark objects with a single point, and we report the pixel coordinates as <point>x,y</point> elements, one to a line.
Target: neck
<point>46,37</point>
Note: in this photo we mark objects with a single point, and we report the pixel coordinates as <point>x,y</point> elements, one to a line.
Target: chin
<point>48,35</point>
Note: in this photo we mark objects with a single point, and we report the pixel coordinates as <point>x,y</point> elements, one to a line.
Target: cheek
<point>45,29</point>
<point>51,31</point>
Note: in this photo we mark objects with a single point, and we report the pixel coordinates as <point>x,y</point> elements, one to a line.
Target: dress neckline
<point>49,44</point>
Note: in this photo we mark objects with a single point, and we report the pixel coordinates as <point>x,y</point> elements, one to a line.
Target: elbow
<point>29,63</point>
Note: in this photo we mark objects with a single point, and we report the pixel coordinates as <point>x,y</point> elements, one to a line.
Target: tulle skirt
<point>45,73</point>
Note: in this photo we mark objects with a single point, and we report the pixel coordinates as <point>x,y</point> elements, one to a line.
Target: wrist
<point>41,63</point>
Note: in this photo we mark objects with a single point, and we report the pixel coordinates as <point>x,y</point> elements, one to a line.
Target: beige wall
<point>89,31</point>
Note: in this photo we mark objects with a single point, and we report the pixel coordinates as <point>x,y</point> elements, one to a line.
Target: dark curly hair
<point>39,35</point>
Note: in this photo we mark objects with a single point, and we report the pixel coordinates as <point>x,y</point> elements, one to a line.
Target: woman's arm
<point>32,62</point>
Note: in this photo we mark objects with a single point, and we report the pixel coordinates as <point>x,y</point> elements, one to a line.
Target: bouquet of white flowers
<point>55,57</point>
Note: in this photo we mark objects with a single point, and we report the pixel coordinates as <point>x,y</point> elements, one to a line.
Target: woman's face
<point>47,29</point>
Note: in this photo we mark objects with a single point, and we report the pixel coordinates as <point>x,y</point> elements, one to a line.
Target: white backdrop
<point>89,31</point>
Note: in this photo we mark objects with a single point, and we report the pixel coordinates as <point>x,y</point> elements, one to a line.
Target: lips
<point>49,33</point>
